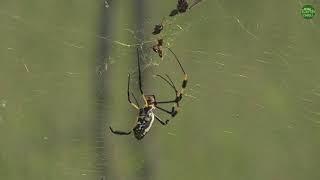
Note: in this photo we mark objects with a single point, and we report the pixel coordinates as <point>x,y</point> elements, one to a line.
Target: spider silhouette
<point>158,47</point>
<point>157,29</point>
<point>182,7</point>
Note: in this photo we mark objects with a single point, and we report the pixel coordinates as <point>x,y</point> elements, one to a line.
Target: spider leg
<point>194,3</point>
<point>185,79</point>
<point>119,132</point>
<point>183,86</point>
<point>179,94</point>
<point>170,82</point>
<point>174,12</point>
<point>122,132</point>
<point>161,121</point>
<point>140,83</point>
<point>173,111</point>
<point>128,92</point>
<point>135,99</point>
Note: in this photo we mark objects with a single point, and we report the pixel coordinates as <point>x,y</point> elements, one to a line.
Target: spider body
<point>183,6</point>
<point>157,48</point>
<point>146,115</point>
<point>144,122</point>
<point>157,29</point>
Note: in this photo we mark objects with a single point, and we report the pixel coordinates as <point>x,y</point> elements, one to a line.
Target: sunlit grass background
<point>251,110</point>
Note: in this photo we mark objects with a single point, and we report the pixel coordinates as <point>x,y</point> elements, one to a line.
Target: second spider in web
<point>146,115</point>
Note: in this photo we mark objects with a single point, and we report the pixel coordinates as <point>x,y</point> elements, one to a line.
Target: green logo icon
<point>308,11</point>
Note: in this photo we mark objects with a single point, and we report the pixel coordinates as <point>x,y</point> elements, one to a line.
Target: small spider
<point>182,7</point>
<point>157,48</point>
<point>146,113</point>
<point>157,29</point>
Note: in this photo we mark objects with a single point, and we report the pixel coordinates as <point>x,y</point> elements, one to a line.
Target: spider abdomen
<point>144,123</point>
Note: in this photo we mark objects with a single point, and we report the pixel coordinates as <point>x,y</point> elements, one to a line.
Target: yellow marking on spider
<point>134,105</point>
<point>145,100</point>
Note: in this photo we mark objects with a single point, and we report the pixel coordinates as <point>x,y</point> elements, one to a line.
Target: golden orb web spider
<point>146,115</point>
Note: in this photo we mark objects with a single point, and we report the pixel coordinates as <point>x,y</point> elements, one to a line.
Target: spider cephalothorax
<point>151,100</point>
<point>146,113</point>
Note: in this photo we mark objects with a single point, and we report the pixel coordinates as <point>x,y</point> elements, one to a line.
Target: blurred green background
<point>251,110</point>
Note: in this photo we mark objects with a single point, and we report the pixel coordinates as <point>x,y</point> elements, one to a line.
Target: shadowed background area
<point>251,109</point>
